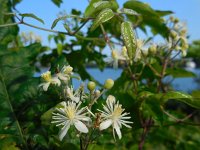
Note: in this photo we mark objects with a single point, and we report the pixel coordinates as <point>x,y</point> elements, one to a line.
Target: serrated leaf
<point>182,97</point>
<point>103,16</point>
<point>32,16</point>
<point>129,38</point>
<point>57,20</point>
<point>128,11</point>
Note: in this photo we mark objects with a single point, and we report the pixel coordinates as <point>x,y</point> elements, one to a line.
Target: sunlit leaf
<point>129,38</point>
<point>102,17</point>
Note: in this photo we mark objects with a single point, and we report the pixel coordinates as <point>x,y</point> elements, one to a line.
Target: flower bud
<point>91,85</point>
<point>176,20</point>
<point>108,84</point>
<point>111,99</point>
<point>97,93</point>
<point>114,54</point>
<point>172,18</point>
<point>173,34</point>
<point>124,51</point>
<point>153,49</point>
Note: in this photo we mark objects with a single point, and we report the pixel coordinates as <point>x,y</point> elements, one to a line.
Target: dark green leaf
<point>57,2</point>
<point>179,73</point>
<point>32,16</point>
<point>164,13</point>
<point>182,97</point>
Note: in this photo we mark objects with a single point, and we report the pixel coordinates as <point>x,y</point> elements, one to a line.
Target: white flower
<point>65,73</point>
<point>49,80</point>
<point>113,115</point>
<point>77,95</point>
<point>70,115</point>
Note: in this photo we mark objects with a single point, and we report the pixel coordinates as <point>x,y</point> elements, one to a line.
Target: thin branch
<point>44,29</point>
<point>175,55</point>
<point>10,24</point>
<point>107,39</point>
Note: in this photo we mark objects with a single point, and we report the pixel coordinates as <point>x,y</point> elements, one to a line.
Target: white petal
<point>105,124</point>
<point>55,81</point>
<point>62,77</point>
<point>75,99</point>
<point>63,131</point>
<point>81,126</point>
<point>117,129</point>
<point>45,86</point>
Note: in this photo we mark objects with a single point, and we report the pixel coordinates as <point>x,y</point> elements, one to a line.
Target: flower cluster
<point>64,75</point>
<point>73,111</point>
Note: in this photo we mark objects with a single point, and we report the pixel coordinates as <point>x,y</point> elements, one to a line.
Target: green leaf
<point>57,20</point>
<point>164,13</point>
<point>32,16</point>
<point>128,11</point>
<point>96,6</point>
<point>179,73</point>
<point>129,38</point>
<point>182,97</point>
<point>149,17</point>
<point>103,16</point>
<point>59,48</point>
<point>47,116</point>
<point>57,2</point>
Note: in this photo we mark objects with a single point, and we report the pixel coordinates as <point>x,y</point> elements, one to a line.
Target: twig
<point>146,128</point>
<point>107,39</point>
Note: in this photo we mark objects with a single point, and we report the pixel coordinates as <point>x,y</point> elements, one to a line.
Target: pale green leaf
<point>32,16</point>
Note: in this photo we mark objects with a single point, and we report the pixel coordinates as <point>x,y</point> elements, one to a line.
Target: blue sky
<point>187,10</point>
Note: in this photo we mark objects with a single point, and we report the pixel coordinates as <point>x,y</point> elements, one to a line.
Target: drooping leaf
<point>57,20</point>
<point>129,38</point>
<point>32,16</point>
<point>103,16</point>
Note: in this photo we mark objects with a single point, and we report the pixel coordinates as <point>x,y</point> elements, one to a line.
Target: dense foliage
<point>163,118</point>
